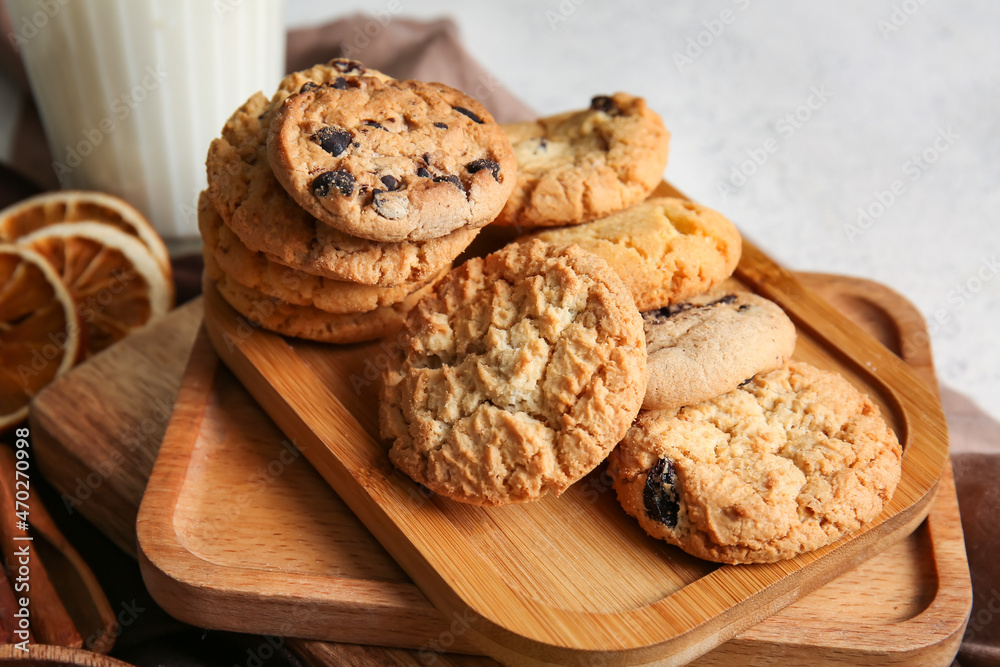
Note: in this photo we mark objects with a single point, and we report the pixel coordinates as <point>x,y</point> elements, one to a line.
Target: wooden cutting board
<point>906,605</point>
<point>572,579</point>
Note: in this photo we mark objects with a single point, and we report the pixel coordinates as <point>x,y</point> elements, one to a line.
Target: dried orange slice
<point>51,208</point>
<point>40,336</point>
<point>114,279</point>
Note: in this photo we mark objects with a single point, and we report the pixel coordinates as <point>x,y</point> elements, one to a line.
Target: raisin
<point>390,182</point>
<point>307,86</point>
<point>423,173</point>
<point>450,179</point>
<point>332,140</point>
<point>603,103</point>
<point>443,126</point>
<point>466,112</point>
<point>745,382</point>
<point>743,308</point>
<point>660,495</point>
<point>340,83</point>
<point>340,179</point>
<point>667,312</point>
<point>478,165</point>
<point>371,123</point>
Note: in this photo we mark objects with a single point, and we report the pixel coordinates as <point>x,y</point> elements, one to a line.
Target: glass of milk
<point>131,92</point>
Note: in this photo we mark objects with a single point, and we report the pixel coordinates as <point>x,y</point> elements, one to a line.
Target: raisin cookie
<point>253,204</point>
<point>706,346</point>
<point>307,321</point>
<point>390,160</point>
<point>254,270</point>
<point>665,249</point>
<point>795,459</point>
<point>583,165</point>
<point>519,374</point>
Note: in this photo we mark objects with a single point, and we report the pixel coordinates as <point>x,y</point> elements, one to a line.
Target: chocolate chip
<point>340,179</point>
<point>478,165</point>
<point>743,308</point>
<point>443,126</point>
<point>371,123</point>
<point>423,173</point>
<point>466,112</point>
<point>450,179</point>
<point>667,312</point>
<point>391,205</point>
<point>307,86</point>
<point>347,66</point>
<point>745,382</point>
<point>543,144</point>
<point>603,103</point>
<point>660,495</point>
<point>340,83</point>
<point>332,140</point>
<point>726,300</point>
<point>390,182</point>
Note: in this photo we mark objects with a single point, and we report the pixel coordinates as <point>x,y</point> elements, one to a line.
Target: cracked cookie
<point>519,373</point>
<point>791,461</point>
<point>390,160</point>
<point>583,165</point>
<point>253,204</point>
<point>665,249</point>
<point>707,345</point>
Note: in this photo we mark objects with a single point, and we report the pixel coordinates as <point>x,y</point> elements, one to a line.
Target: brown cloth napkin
<point>433,51</point>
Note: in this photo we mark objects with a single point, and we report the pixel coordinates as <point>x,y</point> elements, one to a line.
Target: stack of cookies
<point>336,204</point>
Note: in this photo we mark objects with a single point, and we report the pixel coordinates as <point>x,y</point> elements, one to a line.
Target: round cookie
<point>253,204</point>
<point>665,249</point>
<point>583,165</point>
<point>256,271</point>
<point>308,322</point>
<point>519,374</point>
<point>391,160</point>
<point>795,459</point>
<point>708,345</point>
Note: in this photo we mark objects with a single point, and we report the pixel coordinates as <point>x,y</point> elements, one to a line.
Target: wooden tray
<point>206,565</point>
<point>572,580</point>
<point>523,578</point>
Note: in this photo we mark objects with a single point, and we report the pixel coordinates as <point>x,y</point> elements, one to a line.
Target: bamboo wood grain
<point>921,583</point>
<point>306,389</point>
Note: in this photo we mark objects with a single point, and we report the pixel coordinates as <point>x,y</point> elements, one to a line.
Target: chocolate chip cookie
<point>254,270</point>
<point>795,459</point>
<point>665,249</point>
<point>519,374</point>
<point>307,321</point>
<point>253,204</point>
<point>583,165</point>
<point>390,160</point>
<point>707,345</point>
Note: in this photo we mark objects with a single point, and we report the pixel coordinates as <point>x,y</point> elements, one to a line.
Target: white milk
<point>131,92</point>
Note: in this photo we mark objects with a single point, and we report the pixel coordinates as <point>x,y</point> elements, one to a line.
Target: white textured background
<point>892,89</point>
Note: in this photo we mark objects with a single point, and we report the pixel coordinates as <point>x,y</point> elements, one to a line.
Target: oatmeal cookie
<point>795,459</point>
<point>519,374</point>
